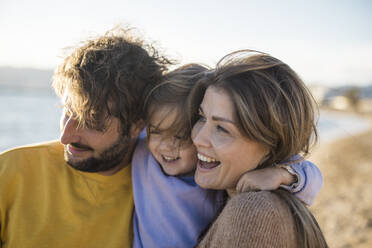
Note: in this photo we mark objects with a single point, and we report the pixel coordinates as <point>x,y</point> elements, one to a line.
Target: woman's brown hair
<point>273,107</point>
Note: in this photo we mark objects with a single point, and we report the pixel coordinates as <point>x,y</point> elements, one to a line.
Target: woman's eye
<point>201,118</point>
<point>221,129</point>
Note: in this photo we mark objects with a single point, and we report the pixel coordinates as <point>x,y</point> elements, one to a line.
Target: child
<point>171,210</point>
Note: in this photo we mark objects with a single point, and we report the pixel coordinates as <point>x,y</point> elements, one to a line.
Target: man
<point>77,192</point>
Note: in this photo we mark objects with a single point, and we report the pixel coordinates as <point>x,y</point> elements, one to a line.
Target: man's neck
<point>113,171</point>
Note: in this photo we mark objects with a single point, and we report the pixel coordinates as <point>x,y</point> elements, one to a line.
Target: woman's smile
<point>230,154</point>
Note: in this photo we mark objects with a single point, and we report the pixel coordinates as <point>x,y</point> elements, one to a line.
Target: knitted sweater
<point>253,219</point>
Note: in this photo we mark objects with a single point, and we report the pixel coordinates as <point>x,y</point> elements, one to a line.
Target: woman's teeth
<point>206,159</point>
<point>207,162</point>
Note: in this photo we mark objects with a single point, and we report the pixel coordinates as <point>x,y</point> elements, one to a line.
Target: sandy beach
<point>343,208</point>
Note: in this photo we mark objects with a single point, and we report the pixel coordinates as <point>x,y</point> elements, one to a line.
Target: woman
<point>253,108</point>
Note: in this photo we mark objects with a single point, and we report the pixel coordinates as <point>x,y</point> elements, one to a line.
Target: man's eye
<point>68,112</point>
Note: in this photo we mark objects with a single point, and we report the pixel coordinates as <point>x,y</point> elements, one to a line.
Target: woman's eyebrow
<point>217,118</point>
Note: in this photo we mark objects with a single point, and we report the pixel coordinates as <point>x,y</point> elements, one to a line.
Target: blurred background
<point>329,44</point>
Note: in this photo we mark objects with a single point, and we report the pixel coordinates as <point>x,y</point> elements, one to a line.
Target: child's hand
<point>264,179</point>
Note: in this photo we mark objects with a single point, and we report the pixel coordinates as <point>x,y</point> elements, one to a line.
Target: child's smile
<point>173,156</point>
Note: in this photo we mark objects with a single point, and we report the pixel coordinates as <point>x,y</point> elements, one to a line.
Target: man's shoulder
<point>34,153</point>
<point>53,146</point>
<point>26,162</point>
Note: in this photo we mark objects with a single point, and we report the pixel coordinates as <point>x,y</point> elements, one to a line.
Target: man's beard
<point>107,160</point>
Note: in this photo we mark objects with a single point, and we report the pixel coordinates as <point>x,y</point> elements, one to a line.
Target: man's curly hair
<point>109,76</point>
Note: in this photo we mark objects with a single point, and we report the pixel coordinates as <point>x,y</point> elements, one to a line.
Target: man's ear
<point>136,128</point>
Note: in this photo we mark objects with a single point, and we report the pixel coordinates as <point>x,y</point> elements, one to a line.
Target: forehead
<point>163,117</point>
<point>217,102</point>
<point>102,121</point>
<point>69,101</point>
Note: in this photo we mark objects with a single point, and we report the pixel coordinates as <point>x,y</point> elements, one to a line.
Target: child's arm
<point>304,184</point>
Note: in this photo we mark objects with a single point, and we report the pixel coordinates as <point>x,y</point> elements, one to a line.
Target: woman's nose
<point>200,135</point>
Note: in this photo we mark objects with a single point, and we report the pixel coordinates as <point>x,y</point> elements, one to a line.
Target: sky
<point>327,42</point>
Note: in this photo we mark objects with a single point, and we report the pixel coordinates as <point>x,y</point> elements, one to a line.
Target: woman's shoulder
<point>262,206</point>
<point>258,206</point>
<point>252,219</point>
<point>259,201</point>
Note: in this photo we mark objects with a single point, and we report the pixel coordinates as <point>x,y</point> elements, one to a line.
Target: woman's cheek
<point>221,141</point>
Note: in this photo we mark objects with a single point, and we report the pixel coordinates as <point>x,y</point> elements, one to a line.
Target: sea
<point>28,117</point>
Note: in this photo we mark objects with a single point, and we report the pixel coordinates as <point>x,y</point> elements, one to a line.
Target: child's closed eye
<point>154,131</point>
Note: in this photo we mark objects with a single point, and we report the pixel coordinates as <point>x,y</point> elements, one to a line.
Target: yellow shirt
<point>46,203</point>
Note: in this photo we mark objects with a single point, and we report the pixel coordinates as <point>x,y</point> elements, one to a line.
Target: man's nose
<point>69,131</point>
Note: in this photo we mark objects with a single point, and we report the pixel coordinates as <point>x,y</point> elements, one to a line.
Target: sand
<point>343,208</point>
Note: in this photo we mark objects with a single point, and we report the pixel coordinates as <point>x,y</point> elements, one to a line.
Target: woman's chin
<point>206,181</point>
<point>200,180</point>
